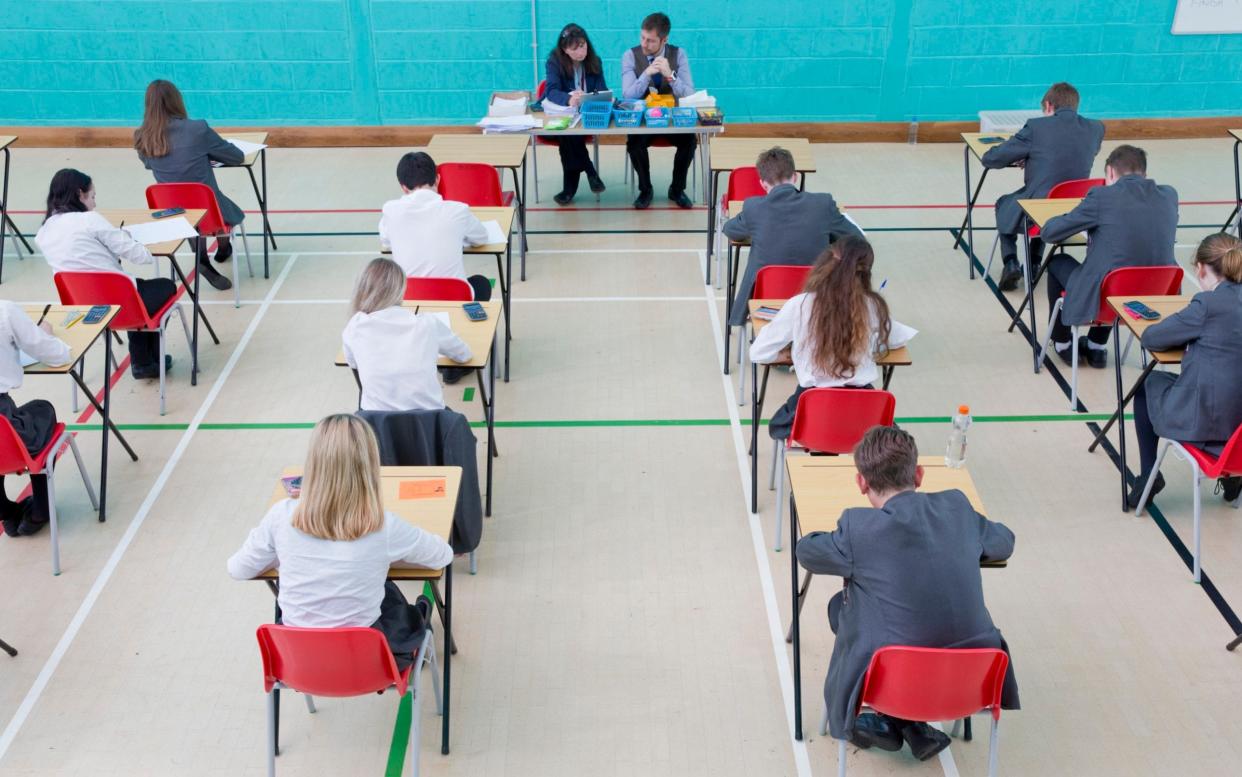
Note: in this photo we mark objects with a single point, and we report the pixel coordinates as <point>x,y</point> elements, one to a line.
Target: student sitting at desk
<point>394,350</point>
<point>178,149</point>
<point>835,328</point>
<point>1202,405</point>
<point>573,70</point>
<point>32,421</point>
<point>1130,222</point>
<point>911,569</point>
<point>654,65</point>
<point>335,543</point>
<point>1058,146</point>
<point>74,238</point>
<point>784,227</point>
<point>426,232</point>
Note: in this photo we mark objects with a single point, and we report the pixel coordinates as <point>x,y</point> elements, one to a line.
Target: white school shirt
<point>18,331</point>
<point>395,354</point>
<point>327,584</point>
<point>792,324</point>
<point>427,232</point>
<point>85,241</point>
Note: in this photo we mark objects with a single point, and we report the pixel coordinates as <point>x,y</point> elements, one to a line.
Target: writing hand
<point>46,327</point>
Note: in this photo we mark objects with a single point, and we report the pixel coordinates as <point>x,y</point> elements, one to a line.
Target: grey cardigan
<point>193,146</point>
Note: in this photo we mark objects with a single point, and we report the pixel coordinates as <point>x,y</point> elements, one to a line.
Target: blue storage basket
<point>628,114</point>
<point>685,117</point>
<point>596,115</point>
<point>658,121</point>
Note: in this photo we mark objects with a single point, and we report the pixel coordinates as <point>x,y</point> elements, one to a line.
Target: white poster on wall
<point>1207,17</point>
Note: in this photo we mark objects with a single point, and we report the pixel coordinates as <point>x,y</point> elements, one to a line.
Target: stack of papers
<point>700,99</point>
<point>556,109</point>
<point>503,106</point>
<point>246,146</point>
<point>520,123</point>
<point>494,235</point>
<point>152,232</point>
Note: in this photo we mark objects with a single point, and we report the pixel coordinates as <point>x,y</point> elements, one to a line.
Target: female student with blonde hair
<point>335,543</point>
<point>835,328</point>
<point>1203,404</point>
<point>178,149</point>
<point>394,350</point>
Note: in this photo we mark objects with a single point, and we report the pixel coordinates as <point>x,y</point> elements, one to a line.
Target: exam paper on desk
<point>152,232</point>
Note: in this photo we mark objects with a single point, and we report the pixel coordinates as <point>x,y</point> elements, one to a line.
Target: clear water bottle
<point>913,137</point>
<point>955,453</point>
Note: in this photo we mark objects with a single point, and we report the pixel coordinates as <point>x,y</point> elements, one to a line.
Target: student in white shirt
<point>394,350</point>
<point>835,328</point>
<point>426,232</point>
<point>335,543</point>
<point>32,421</point>
<point>74,238</point>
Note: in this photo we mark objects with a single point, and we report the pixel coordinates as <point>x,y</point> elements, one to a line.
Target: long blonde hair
<point>381,285</point>
<point>1223,253</point>
<point>163,103</point>
<point>341,498</point>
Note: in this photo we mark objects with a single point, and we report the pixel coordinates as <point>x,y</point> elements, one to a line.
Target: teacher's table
<point>432,513</point>
<point>898,357</point>
<point>260,192</point>
<point>822,487</point>
<point>974,146</point>
<point>1038,213</point>
<point>80,336</point>
<point>481,337</point>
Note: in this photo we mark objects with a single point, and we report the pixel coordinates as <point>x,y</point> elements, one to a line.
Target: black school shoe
<point>1136,493</point>
<point>644,200</point>
<point>925,741</point>
<point>15,513</point>
<point>150,371</point>
<point>214,278</point>
<point>453,375</point>
<point>1229,488</point>
<point>561,198</point>
<point>1096,357</point>
<point>872,730</point>
<point>596,184</point>
<point>1010,275</point>
<point>224,252</point>
<point>681,199</point>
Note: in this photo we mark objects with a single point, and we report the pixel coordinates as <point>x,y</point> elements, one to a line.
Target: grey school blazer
<point>912,577</point>
<point>1057,148</point>
<point>785,227</point>
<point>1203,405</point>
<point>193,147</point>
<point>1131,223</point>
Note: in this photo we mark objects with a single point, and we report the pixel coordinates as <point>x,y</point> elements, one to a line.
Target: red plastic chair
<point>114,288</point>
<point>1122,282</point>
<point>775,281</point>
<point>829,420</point>
<point>352,661</point>
<point>1203,465</point>
<point>16,460</point>
<point>1066,190</point>
<point>198,196</point>
<point>931,684</point>
<point>473,183</point>
<point>539,140</point>
<point>447,289</point>
<point>743,183</point>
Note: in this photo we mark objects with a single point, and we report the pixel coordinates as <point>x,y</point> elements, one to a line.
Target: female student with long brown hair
<point>572,71</point>
<point>178,149</point>
<point>835,327</point>
<point>335,543</point>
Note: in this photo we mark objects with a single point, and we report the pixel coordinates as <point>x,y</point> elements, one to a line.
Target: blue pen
<point>883,283</point>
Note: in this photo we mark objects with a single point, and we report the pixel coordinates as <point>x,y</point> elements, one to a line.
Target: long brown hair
<point>1223,253</point>
<point>341,494</point>
<point>844,307</point>
<point>163,104</point>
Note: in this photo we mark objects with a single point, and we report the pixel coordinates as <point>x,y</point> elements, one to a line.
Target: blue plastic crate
<point>628,114</point>
<point>685,117</point>
<point>658,121</point>
<point>596,115</point>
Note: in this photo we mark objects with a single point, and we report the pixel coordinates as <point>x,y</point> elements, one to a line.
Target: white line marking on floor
<point>105,574</point>
<point>775,632</point>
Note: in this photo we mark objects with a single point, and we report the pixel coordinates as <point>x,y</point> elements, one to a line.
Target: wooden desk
<point>6,222</point>
<point>503,151</point>
<point>729,153</point>
<point>973,146</point>
<point>1236,134</point>
<point>432,515</point>
<point>260,191</point>
<point>80,336</point>
<point>1165,306</point>
<point>119,216</point>
<point>481,337</point>
<point>898,357</point>
<point>1039,212</point>
<point>822,487</point>
<point>503,216</point>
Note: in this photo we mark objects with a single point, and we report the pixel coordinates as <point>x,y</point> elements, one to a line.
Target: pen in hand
<point>46,308</point>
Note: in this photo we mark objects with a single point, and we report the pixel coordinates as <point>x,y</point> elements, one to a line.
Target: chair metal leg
<point>780,500</point>
<point>53,525</point>
<point>1196,482</point>
<point>12,651</point>
<point>1151,476</point>
<point>994,748</point>
<point>1073,367</point>
<point>823,722</point>
<point>310,703</point>
<point>957,726</point>
<point>271,733</point>
<point>163,330</point>
<point>246,248</point>
<point>1126,353</point>
<point>474,563</point>
<point>434,665</point>
<point>776,460</point>
<point>743,360</point>
<point>841,758</point>
<point>1230,647</point>
<point>86,478</point>
<point>416,704</point>
<point>439,602</point>
<point>1047,343</point>
<point>991,255</point>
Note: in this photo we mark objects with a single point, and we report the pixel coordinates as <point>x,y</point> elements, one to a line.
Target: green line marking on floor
<point>400,736</point>
<point>468,395</point>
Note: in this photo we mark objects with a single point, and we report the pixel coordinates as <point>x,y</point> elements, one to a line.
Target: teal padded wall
<point>325,62</point>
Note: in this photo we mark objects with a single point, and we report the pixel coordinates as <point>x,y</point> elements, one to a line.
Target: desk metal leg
<point>1030,288</point>
<point>1237,188</point>
<point>796,627</point>
<point>757,395</point>
<point>519,193</point>
<point>505,271</point>
<point>1151,365</point>
<point>1029,298</point>
<point>488,398</point>
<point>200,252</point>
<point>1121,419</point>
<point>103,410</point>
<point>887,373</point>
<point>800,602</point>
<point>261,196</point>
<point>103,432</point>
<point>968,223</point>
<point>711,223</point>
<point>447,616</point>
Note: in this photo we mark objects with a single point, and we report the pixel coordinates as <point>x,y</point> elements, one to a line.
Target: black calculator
<point>475,311</point>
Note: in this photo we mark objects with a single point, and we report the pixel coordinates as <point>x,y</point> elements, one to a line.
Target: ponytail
<point>1222,253</point>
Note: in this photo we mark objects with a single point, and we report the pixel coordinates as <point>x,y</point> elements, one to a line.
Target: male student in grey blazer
<point>784,227</point>
<point>1131,222</point>
<point>911,569</point>
<point>1058,146</point>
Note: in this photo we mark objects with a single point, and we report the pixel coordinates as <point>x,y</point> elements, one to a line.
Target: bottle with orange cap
<point>955,453</point>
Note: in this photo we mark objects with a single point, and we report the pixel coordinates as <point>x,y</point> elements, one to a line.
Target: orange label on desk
<point>422,489</point>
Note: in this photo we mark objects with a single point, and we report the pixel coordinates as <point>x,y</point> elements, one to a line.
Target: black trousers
<point>144,347</point>
<point>1060,267</point>
<point>402,623</point>
<point>636,146</point>
<point>482,287</point>
<point>575,160</point>
<point>33,423</point>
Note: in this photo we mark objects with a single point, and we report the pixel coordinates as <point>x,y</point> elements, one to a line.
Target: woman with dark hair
<point>178,149</point>
<point>74,238</point>
<point>573,71</point>
<point>836,327</point>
